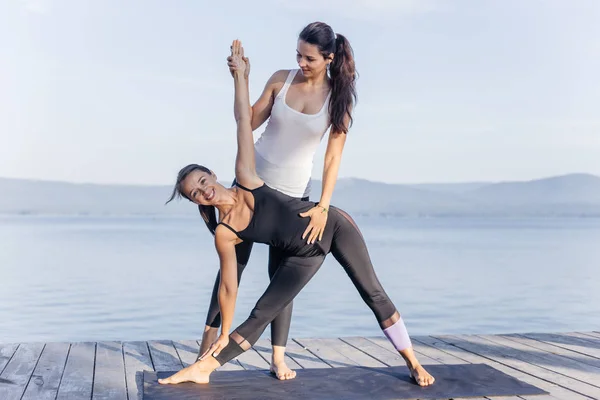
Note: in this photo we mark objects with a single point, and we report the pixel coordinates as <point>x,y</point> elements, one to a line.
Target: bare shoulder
<point>225,239</point>
<point>279,76</point>
<point>277,80</point>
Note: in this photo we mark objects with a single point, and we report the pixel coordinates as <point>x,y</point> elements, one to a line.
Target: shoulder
<point>280,75</point>
<point>278,78</point>
<point>224,238</point>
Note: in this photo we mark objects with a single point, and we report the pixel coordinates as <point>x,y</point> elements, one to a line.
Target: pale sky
<point>119,91</point>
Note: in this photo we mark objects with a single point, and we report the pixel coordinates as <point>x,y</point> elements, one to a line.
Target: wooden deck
<point>567,365</point>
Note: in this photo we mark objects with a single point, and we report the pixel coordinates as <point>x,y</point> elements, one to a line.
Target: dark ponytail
<point>343,87</point>
<point>208,213</point>
<point>342,71</point>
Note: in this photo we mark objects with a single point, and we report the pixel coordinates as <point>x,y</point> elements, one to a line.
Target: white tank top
<point>285,150</point>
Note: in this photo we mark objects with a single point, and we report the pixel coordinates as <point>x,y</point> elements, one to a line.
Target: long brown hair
<point>342,71</point>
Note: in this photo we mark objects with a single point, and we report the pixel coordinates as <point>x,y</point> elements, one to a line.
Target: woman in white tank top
<point>300,105</point>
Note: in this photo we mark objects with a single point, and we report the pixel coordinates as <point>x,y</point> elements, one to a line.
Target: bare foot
<point>282,371</point>
<point>422,377</point>
<point>198,372</point>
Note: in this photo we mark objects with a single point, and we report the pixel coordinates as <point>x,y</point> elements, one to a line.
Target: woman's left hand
<point>217,346</point>
<point>236,61</point>
<point>316,227</point>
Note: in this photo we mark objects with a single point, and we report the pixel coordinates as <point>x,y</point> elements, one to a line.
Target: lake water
<point>141,278</point>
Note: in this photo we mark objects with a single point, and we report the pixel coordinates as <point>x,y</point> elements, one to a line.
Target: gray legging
<point>349,249</point>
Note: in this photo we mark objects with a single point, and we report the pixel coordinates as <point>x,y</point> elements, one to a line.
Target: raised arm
<point>261,110</point>
<point>245,167</point>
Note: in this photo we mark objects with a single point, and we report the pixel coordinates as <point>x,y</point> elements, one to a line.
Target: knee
<point>260,315</point>
<point>215,322</point>
<point>378,297</point>
<point>381,305</point>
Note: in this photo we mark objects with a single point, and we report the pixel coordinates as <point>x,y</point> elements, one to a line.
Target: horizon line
<point>339,179</point>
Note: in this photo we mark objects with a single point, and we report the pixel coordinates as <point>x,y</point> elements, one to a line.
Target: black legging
<point>280,326</point>
<point>349,249</point>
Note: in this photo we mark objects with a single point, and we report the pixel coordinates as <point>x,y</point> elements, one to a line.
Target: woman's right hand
<point>219,344</point>
<point>234,65</point>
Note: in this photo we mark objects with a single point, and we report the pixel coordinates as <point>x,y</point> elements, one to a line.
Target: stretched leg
<point>350,250</point>
<point>280,326</point>
<point>213,318</point>
<point>289,279</point>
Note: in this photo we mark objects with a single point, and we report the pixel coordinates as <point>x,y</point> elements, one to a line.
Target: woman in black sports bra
<point>252,211</point>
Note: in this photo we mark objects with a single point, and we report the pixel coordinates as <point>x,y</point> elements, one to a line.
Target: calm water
<point>82,278</point>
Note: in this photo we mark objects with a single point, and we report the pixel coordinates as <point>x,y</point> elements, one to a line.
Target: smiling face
<point>202,188</point>
<point>310,60</point>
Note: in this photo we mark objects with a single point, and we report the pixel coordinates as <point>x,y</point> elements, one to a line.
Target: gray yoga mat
<point>352,383</point>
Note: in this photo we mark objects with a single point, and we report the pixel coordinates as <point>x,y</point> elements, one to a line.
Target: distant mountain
<point>450,187</point>
<point>567,189</point>
<point>567,195</point>
<point>574,195</point>
<point>45,197</point>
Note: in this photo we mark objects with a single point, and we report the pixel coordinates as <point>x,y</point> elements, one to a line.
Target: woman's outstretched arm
<point>225,241</point>
<point>245,167</point>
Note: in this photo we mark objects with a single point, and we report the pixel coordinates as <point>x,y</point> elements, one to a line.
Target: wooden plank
<point>579,345</point>
<point>449,359</point>
<point>466,356</point>
<point>164,356</point>
<point>18,371</point>
<point>562,365</point>
<point>137,359</point>
<point>417,347</point>
<point>426,356</point>
<point>264,348</point>
<point>109,374</point>
<point>360,351</point>
<point>330,356</point>
<point>187,351</point>
<point>352,353</point>
<point>594,340</point>
<point>366,353</point>
<point>591,334</point>
<point>46,377</point>
<point>375,350</point>
<point>78,376</point>
<point>303,357</point>
<point>251,360</point>
<point>515,359</point>
<point>552,349</point>
<point>7,350</point>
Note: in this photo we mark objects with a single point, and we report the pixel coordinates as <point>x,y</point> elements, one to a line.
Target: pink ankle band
<point>398,335</point>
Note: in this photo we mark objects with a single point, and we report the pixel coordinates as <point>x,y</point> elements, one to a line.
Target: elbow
<point>332,160</point>
<point>244,119</point>
<point>228,291</point>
